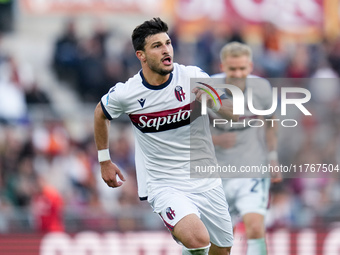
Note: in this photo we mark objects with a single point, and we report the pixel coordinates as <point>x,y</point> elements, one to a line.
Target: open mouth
<point>167,60</point>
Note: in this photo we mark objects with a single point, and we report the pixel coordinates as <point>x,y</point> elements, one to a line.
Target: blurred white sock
<point>256,247</point>
<point>198,251</point>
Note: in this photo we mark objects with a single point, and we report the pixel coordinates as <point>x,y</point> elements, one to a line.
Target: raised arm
<point>109,170</point>
<point>225,110</point>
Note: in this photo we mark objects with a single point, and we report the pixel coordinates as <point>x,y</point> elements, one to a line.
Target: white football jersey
<point>250,148</point>
<point>161,117</point>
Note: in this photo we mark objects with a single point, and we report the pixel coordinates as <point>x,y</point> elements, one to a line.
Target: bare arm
<point>101,128</point>
<point>109,170</point>
<point>226,110</point>
<point>225,140</point>
<point>271,139</point>
<point>271,135</point>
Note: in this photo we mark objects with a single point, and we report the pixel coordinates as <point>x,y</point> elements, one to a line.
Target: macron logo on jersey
<point>163,120</point>
<point>141,102</point>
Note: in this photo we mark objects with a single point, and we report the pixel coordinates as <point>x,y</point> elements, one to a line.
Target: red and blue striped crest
<point>170,213</point>
<point>179,93</point>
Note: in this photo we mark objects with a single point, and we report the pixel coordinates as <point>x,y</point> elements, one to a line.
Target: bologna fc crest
<point>170,213</point>
<point>179,93</point>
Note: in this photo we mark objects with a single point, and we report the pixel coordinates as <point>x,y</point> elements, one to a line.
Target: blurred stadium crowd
<point>49,174</point>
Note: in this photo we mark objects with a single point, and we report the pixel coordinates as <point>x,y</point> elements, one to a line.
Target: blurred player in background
<point>241,145</point>
<point>157,100</point>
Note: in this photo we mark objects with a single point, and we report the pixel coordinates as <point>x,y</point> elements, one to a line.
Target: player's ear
<point>141,55</point>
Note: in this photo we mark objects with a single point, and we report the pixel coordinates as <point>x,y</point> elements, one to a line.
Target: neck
<point>241,84</point>
<point>154,78</point>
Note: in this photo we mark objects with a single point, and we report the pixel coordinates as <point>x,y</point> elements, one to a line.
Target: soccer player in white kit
<point>240,145</point>
<point>157,100</point>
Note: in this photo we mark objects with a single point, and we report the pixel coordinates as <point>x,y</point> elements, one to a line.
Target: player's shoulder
<point>258,82</point>
<point>128,85</point>
<point>219,75</point>
<point>192,71</point>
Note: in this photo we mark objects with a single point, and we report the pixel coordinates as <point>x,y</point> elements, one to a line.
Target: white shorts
<point>210,206</point>
<point>246,195</point>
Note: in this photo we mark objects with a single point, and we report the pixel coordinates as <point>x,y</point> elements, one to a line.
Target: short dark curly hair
<point>151,27</point>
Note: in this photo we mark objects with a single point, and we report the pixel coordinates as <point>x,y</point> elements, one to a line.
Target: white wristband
<point>216,107</point>
<point>272,155</point>
<point>104,155</point>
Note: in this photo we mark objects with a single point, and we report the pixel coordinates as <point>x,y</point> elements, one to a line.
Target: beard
<point>164,72</point>
<point>161,71</point>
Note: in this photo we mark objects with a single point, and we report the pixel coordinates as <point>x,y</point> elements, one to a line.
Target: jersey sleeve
<point>111,103</point>
<point>200,73</point>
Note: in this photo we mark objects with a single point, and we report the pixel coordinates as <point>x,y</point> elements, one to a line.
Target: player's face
<point>159,53</point>
<point>237,69</point>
